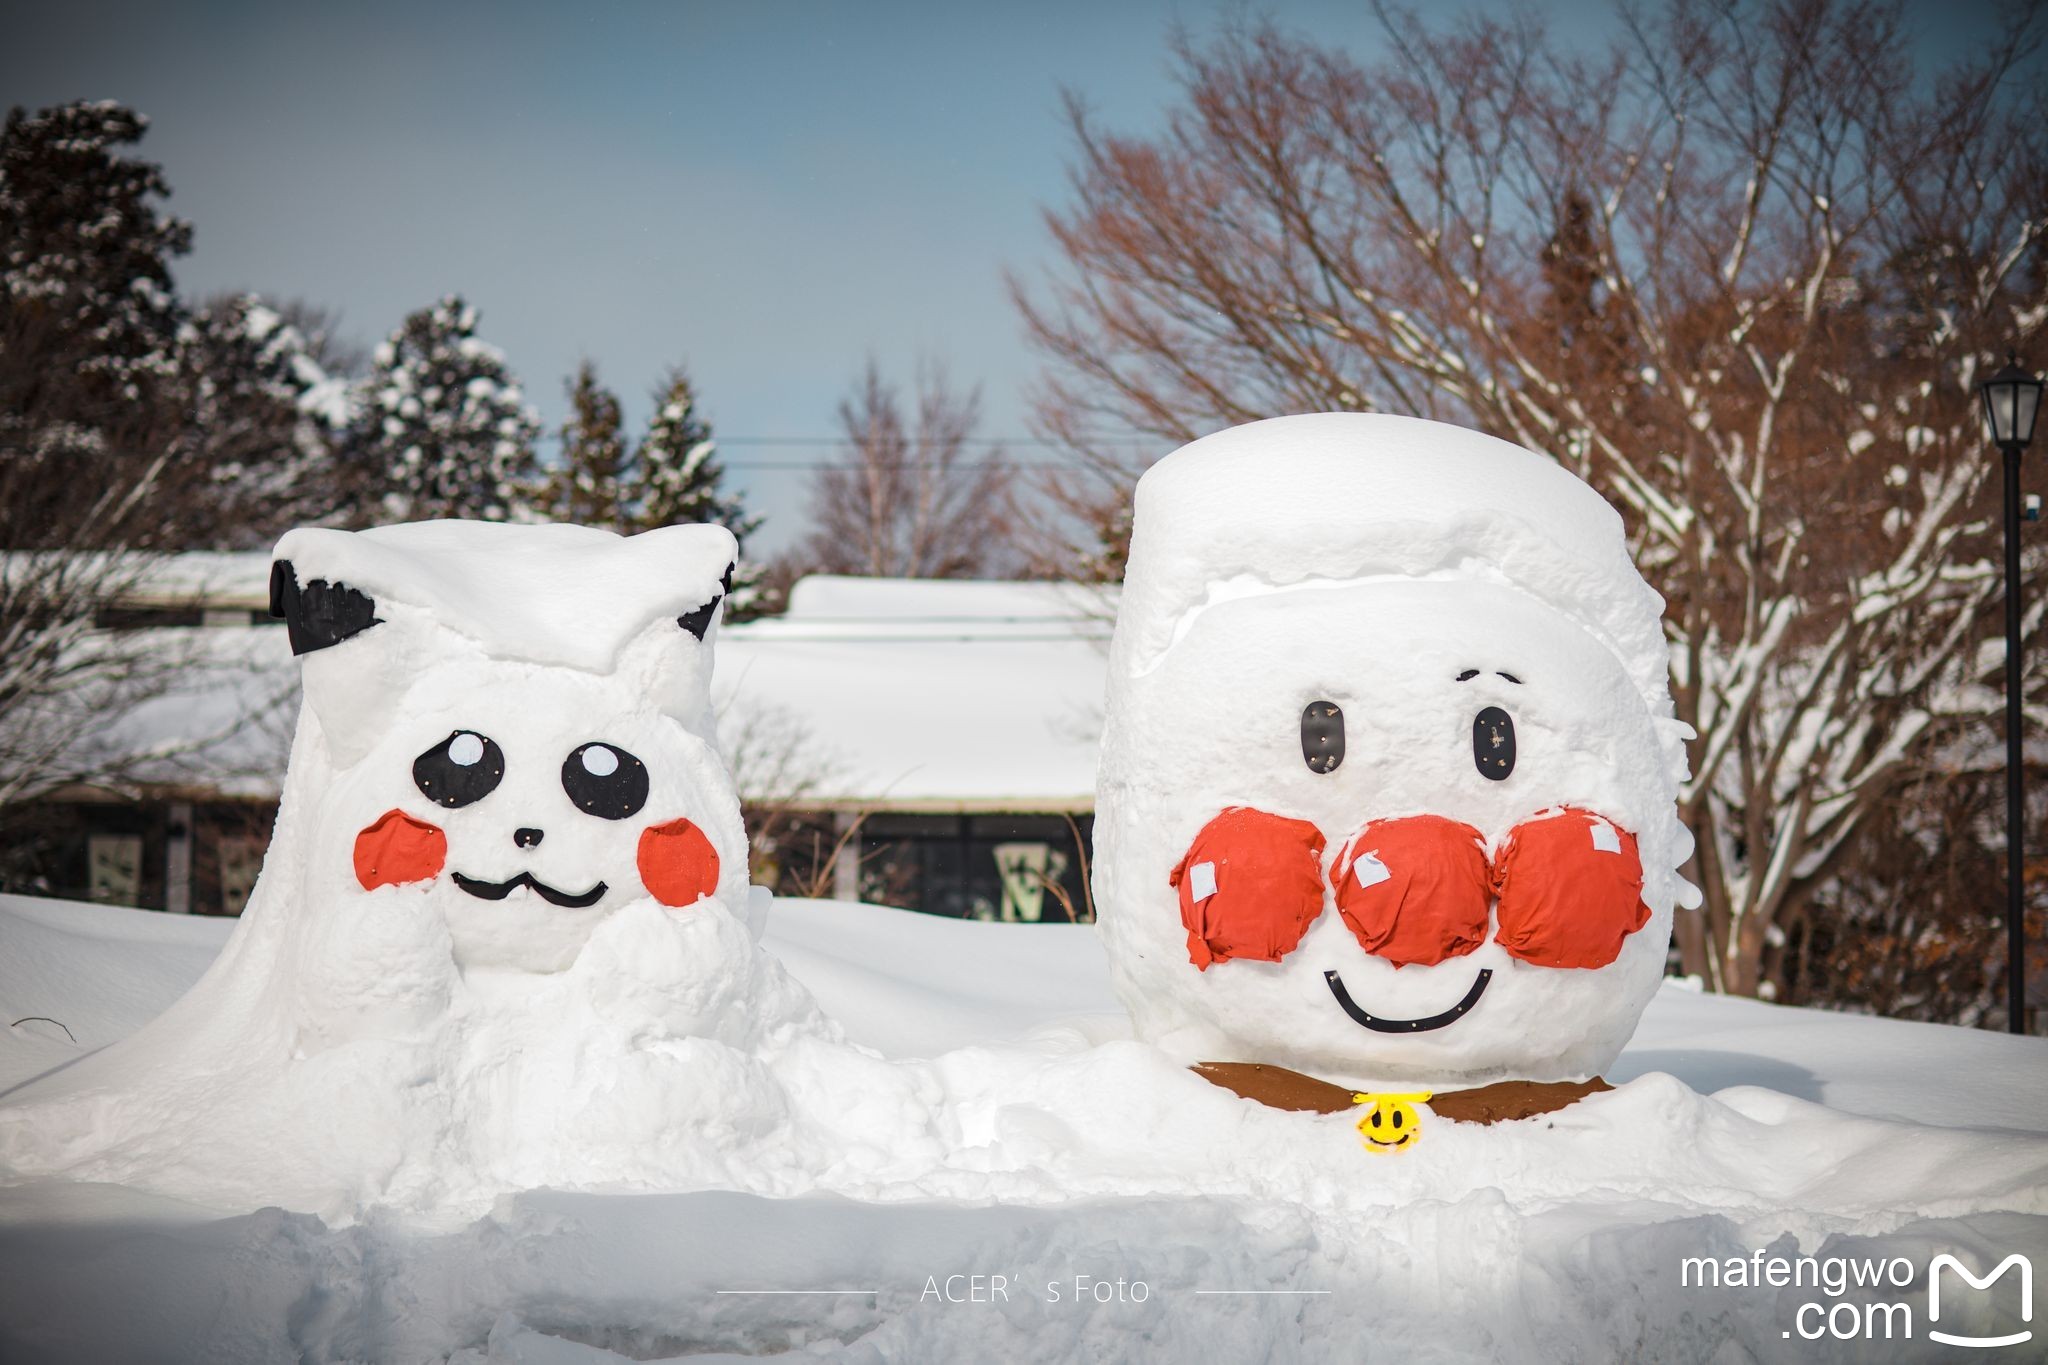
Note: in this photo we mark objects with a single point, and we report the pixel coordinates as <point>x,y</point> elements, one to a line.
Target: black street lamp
<point>2012,398</point>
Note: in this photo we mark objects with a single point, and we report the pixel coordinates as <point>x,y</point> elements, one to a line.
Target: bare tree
<point>911,495</point>
<point>96,462</point>
<point>130,427</point>
<point>777,767</point>
<point>1741,271</point>
<point>1901,929</point>
<point>796,833</point>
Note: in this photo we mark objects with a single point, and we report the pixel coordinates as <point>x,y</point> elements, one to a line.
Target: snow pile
<point>75,977</point>
<point>500,938</point>
<point>1335,620</point>
<point>1069,1152</point>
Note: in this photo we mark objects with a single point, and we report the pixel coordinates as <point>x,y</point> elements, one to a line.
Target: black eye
<point>1493,743</point>
<point>1397,1118</point>
<point>1375,1118</point>
<point>1322,736</point>
<point>462,768</point>
<point>605,781</point>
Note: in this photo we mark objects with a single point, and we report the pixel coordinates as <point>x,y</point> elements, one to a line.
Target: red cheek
<point>1571,890</point>
<point>1249,887</point>
<point>398,849</point>
<point>1414,890</point>
<point>678,866</point>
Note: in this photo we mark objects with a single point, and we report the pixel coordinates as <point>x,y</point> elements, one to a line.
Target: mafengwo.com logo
<point>1961,1271</point>
<point>1963,1307</point>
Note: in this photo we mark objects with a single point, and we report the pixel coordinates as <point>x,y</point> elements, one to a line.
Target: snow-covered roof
<point>223,720</point>
<point>229,579</point>
<point>920,695</point>
<point>869,694</point>
<point>211,713</point>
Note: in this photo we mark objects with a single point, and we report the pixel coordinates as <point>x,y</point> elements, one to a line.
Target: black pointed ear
<point>321,613</point>
<point>698,621</point>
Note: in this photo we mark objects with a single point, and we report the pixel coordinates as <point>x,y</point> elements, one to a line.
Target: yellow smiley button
<point>1391,1125</point>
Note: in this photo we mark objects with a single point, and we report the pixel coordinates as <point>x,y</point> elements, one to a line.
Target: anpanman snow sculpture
<point>1389,778</point>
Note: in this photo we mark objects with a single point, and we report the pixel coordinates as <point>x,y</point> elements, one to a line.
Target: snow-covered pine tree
<point>677,479</point>
<point>588,486</point>
<point>96,455</point>
<point>443,430</point>
<point>267,417</point>
<point>89,327</point>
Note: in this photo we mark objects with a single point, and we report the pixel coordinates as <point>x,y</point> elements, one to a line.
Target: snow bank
<point>897,982</point>
<point>1558,1239</point>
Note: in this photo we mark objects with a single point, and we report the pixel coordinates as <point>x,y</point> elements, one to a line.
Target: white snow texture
<point>1064,1151</point>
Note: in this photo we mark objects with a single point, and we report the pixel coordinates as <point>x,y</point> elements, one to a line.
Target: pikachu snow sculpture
<point>501,937</point>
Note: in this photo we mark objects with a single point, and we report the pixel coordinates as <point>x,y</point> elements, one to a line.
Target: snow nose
<point>526,838</point>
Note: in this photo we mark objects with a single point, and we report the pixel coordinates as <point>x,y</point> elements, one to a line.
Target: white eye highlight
<point>599,761</point>
<point>466,749</point>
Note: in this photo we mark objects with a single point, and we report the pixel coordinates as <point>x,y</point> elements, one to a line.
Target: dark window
<point>1017,868</point>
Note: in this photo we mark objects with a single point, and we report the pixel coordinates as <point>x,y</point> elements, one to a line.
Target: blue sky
<point>766,192</point>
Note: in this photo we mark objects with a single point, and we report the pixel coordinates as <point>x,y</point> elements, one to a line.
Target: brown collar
<point>1280,1088</point>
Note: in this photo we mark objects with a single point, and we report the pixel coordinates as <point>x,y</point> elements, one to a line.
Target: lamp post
<point>2012,398</point>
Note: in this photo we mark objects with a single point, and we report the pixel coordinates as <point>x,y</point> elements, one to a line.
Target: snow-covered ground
<point>1111,1206</point>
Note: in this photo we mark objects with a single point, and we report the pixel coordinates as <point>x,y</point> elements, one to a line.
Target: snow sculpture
<point>512,723</point>
<point>501,936</point>
<point>1389,776</point>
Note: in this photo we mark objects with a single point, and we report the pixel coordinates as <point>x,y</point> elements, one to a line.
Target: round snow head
<point>511,740</point>
<point>1388,788</point>
<point>525,806</point>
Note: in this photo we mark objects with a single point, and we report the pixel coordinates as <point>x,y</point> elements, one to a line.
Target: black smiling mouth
<point>1434,1021</point>
<point>497,891</point>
